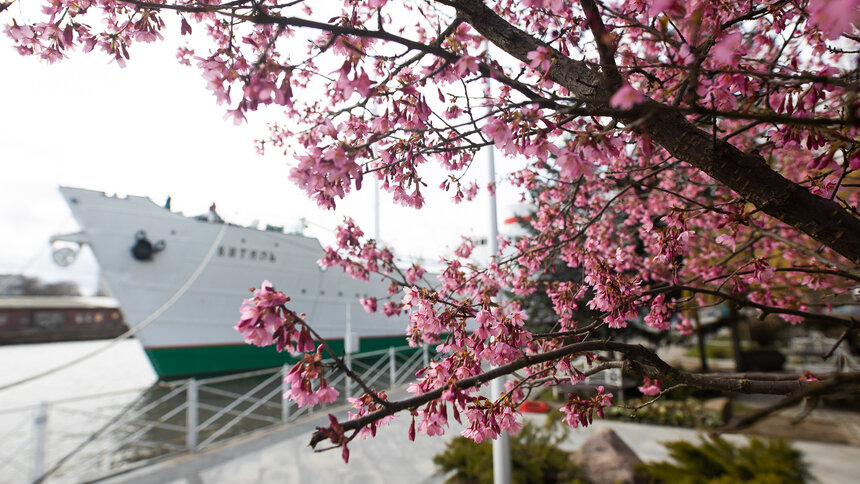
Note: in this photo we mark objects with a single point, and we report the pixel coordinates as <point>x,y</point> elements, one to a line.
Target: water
<point>121,367</point>
<point>119,372</point>
<point>109,413</point>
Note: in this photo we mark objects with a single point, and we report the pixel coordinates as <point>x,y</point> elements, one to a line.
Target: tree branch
<point>640,360</point>
<point>836,383</point>
<point>747,174</point>
<point>604,44</point>
<point>764,308</point>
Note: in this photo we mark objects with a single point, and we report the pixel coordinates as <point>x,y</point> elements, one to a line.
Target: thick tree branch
<point>836,383</point>
<point>640,360</point>
<point>753,179</point>
<point>578,77</point>
<point>764,308</point>
<point>747,174</point>
<point>604,44</point>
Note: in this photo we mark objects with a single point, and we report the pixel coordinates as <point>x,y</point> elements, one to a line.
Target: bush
<point>678,413</point>
<point>535,458</point>
<point>718,461</point>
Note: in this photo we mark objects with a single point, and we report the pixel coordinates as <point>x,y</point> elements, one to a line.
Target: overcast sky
<point>152,129</point>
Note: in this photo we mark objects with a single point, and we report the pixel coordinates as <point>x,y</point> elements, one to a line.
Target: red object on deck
<point>514,220</point>
<point>532,406</point>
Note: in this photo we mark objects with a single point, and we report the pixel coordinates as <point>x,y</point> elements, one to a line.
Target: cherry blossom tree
<point>677,155</point>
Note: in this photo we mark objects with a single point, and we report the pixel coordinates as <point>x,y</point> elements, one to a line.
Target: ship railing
<point>91,437</point>
<point>13,446</point>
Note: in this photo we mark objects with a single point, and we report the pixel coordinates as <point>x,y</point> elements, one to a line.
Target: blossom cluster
<point>578,411</point>
<point>304,376</point>
<point>265,321</point>
<point>364,405</point>
<point>650,387</point>
<point>629,225</point>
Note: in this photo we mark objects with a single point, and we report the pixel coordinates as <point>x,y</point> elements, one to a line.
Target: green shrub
<point>718,461</point>
<point>677,413</point>
<point>535,458</point>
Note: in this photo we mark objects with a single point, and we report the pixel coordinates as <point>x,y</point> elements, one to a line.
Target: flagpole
<point>502,443</point>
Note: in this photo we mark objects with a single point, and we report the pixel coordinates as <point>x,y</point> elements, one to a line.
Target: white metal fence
<point>86,438</point>
<point>806,353</point>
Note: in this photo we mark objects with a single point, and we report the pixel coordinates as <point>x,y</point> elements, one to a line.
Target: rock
<point>606,459</point>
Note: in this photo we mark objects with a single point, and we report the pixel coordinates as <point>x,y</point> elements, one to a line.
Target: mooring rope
<point>143,324</point>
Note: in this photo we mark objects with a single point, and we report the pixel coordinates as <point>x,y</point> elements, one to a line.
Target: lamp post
<point>502,443</point>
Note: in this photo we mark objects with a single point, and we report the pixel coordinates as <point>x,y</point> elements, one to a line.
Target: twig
<point>653,400</point>
<point>810,390</point>
<point>840,340</point>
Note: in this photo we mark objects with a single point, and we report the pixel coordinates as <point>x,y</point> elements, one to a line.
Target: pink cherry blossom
<point>541,58</point>
<point>727,49</point>
<point>369,304</point>
<point>728,173</point>
<point>626,97</point>
<point>650,387</point>
<point>672,7</point>
<point>834,17</point>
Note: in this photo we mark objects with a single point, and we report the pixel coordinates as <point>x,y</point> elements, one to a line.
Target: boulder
<point>606,459</point>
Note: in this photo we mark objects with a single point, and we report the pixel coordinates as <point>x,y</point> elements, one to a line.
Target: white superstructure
<point>148,255</point>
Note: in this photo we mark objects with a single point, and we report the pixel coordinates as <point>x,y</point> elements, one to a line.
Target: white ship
<point>180,281</point>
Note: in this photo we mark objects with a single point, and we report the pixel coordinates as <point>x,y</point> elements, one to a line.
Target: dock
<point>282,455</point>
<point>237,428</point>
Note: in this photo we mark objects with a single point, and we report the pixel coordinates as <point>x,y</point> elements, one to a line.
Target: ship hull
<point>183,300</point>
<point>172,363</point>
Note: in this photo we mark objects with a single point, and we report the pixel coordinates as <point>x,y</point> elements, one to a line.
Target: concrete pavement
<point>282,456</point>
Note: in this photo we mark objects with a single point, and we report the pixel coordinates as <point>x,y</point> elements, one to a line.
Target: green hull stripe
<point>183,362</point>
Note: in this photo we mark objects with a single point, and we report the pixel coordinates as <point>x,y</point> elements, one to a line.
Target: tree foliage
<point>717,461</point>
<point>21,285</point>
<point>535,458</point>
<point>685,153</point>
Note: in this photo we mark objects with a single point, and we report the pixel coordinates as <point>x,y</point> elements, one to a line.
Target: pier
<point>87,438</point>
<point>283,455</point>
<point>237,428</point>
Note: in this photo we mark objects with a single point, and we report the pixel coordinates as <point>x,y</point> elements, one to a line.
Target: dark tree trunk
<point>740,365</point>
<point>700,338</point>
